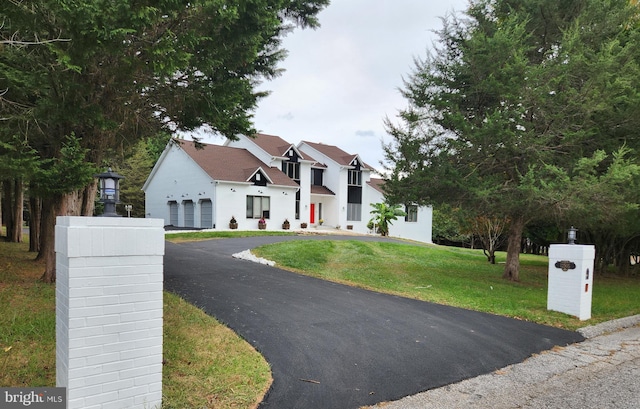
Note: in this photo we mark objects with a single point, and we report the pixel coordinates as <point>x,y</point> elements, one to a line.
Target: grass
<point>206,235</point>
<point>452,276</point>
<point>27,320</point>
<point>206,364</point>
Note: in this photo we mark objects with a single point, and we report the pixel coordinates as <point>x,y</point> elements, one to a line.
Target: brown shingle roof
<point>377,184</point>
<point>232,164</point>
<point>335,153</point>
<point>321,190</point>
<point>338,155</point>
<point>272,144</point>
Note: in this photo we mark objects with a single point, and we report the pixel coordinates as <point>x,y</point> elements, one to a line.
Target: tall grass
<point>452,276</point>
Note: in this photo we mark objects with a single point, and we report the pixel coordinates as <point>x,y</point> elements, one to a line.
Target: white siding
<point>176,177</point>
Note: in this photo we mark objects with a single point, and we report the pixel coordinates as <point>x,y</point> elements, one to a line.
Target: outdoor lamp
<point>108,183</point>
<point>571,235</point>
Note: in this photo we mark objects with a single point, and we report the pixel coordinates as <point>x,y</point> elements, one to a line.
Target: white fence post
<point>109,311</point>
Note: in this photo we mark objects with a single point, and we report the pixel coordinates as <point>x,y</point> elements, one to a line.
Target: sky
<point>342,79</point>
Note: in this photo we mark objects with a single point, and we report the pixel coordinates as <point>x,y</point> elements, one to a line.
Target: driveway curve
<point>332,346</point>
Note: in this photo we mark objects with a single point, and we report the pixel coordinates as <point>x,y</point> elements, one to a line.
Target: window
<point>317,177</point>
<point>355,177</point>
<point>354,203</point>
<point>412,213</point>
<point>354,212</point>
<point>258,207</point>
<point>292,169</point>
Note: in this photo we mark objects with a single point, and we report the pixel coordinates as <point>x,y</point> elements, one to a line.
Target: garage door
<point>188,213</point>
<point>206,214</point>
<point>173,213</point>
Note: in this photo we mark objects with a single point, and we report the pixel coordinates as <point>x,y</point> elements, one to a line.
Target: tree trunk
<point>52,207</point>
<point>512,266</point>
<point>7,212</point>
<point>35,212</point>
<point>89,199</point>
<point>18,212</point>
<point>491,255</point>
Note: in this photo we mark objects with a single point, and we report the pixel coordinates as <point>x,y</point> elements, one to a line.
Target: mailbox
<point>571,279</point>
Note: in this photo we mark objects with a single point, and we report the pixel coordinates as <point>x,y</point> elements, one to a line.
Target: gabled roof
<point>336,154</point>
<point>277,147</point>
<point>272,144</point>
<point>250,173</point>
<point>224,163</point>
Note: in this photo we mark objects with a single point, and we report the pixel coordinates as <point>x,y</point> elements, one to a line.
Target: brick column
<point>109,311</point>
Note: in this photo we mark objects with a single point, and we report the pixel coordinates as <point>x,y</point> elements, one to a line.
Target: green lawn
<point>452,276</point>
<point>206,365</point>
<point>205,235</point>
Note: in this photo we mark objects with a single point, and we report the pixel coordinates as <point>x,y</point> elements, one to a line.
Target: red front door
<point>312,216</point>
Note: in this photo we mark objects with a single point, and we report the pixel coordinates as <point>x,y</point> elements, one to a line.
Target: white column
<point>109,311</point>
<point>571,279</point>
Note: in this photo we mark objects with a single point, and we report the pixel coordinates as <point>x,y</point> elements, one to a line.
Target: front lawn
<point>452,276</point>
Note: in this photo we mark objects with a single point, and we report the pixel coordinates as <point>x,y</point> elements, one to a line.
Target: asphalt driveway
<point>334,346</point>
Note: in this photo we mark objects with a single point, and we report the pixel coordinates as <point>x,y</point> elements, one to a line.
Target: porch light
<point>108,183</point>
<point>571,235</point>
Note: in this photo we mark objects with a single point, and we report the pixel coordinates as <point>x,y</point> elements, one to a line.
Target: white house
<point>267,177</point>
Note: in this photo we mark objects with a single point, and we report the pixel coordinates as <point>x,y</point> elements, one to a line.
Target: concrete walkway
<point>601,372</point>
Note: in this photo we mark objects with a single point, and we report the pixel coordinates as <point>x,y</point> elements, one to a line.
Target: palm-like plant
<point>384,214</point>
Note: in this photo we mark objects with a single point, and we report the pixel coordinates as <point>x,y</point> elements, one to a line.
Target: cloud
<point>287,117</point>
<point>342,79</point>
<point>365,134</point>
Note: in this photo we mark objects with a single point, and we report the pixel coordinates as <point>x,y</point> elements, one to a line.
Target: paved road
<point>334,346</point>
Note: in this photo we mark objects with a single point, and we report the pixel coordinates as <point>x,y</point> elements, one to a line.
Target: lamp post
<point>571,235</point>
<point>108,183</point>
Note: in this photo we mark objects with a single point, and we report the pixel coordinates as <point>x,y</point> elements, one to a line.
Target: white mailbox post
<point>571,279</point>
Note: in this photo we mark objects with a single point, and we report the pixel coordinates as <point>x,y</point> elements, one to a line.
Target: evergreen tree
<point>513,88</point>
<point>113,71</point>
